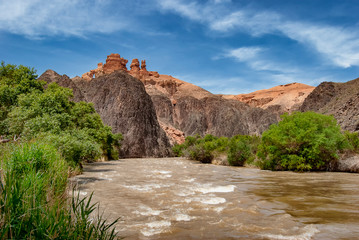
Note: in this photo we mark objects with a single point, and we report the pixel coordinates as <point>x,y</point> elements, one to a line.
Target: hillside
<point>338,99</point>
<point>288,97</point>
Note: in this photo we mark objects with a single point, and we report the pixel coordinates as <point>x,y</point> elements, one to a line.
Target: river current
<point>174,198</point>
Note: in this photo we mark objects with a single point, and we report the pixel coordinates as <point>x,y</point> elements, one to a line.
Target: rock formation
<point>338,99</point>
<point>95,72</point>
<point>114,62</point>
<point>122,103</point>
<point>184,109</point>
<point>287,97</point>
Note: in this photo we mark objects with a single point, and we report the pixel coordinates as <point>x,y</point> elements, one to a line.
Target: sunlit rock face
<point>184,109</point>
<point>287,98</point>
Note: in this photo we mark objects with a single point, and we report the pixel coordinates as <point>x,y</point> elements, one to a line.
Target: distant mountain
<point>338,99</point>
<point>287,97</point>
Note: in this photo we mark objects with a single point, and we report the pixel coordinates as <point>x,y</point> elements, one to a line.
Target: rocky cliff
<point>286,98</point>
<point>123,104</point>
<point>338,99</point>
<point>184,109</point>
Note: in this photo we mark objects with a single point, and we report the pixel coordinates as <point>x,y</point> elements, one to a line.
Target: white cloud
<point>340,46</point>
<point>244,54</point>
<point>38,18</point>
<point>259,59</point>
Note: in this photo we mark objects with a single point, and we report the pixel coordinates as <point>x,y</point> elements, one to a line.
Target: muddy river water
<point>174,198</point>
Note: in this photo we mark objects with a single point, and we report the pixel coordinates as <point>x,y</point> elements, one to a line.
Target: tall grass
<point>33,198</point>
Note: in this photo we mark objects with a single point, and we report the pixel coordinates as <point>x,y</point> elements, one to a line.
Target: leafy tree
<point>241,149</point>
<point>301,142</point>
<point>29,110</point>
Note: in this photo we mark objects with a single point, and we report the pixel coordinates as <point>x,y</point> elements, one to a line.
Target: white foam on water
<point>215,200</point>
<point>183,217</point>
<point>218,209</point>
<point>161,171</point>
<point>211,201</point>
<point>309,232</point>
<point>189,180</point>
<point>159,224</point>
<point>146,187</point>
<point>217,189</point>
<point>185,193</point>
<point>147,211</point>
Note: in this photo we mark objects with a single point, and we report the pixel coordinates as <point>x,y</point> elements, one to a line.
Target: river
<point>174,198</point>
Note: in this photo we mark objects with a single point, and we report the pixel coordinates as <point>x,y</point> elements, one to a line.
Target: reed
<point>34,203</point>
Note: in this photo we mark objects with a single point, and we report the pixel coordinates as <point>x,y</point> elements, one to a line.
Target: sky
<point>224,46</point>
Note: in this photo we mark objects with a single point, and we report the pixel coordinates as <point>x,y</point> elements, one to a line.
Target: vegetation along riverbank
<point>45,138</point>
<point>306,141</point>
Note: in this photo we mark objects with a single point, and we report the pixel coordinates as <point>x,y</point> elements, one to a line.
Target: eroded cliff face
<point>123,104</point>
<point>338,99</point>
<point>184,109</point>
<point>287,98</point>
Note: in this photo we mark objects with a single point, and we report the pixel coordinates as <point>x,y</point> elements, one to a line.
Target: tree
<point>301,142</point>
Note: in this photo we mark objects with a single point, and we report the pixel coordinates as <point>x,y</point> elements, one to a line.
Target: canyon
<point>155,111</point>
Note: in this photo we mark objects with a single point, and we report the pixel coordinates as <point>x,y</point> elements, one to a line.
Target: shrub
<point>353,141</point>
<point>241,149</point>
<point>30,111</point>
<point>301,142</point>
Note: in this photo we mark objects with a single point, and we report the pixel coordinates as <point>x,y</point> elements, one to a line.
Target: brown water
<point>173,198</point>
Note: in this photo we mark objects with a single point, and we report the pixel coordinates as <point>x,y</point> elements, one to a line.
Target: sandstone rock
<point>122,103</point>
<point>114,62</point>
<point>289,97</point>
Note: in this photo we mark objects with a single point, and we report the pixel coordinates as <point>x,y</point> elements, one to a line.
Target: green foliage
<point>301,142</point>
<point>353,141</point>
<point>33,202</point>
<point>30,111</point>
<point>242,149</point>
<point>239,149</point>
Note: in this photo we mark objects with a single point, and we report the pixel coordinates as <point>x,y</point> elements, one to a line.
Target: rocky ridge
<point>338,99</point>
<point>184,109</point>
<point>287,98</point>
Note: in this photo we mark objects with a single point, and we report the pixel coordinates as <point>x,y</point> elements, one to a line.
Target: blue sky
<point>224,46</point>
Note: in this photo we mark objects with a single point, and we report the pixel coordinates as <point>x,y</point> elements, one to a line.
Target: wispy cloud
<point>258,58</point>
<point>39,18</point>
<point>338,45</point>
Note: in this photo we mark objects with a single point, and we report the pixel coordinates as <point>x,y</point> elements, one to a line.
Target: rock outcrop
<point>123,104</point>
<point>287,97</point>
<point>184,109</point>
<point>338,99</point>
<point>193,110</point>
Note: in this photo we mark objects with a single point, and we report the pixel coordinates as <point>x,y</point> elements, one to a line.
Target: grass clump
<point>33,198</point>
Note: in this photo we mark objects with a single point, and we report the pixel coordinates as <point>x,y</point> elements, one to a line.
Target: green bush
<point>33,202</point>
<point>32,112</point>
<point>301,142</point>
<point>353,141</point>
<point>242,149</point>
